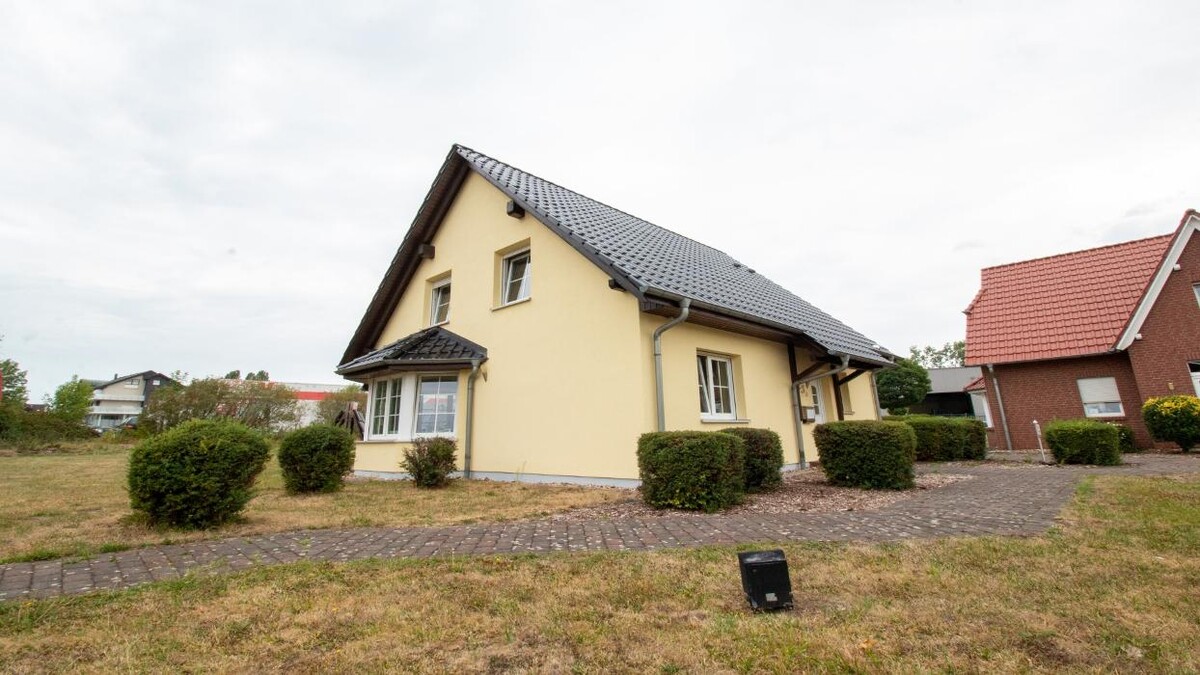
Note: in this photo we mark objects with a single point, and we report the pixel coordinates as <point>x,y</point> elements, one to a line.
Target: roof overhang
<point>1187,227</point>
<point>388,367</point>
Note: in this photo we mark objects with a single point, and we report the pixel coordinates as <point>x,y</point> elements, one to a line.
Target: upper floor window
<point>133,384</point>
<point>1196,290</point>
<point>515,280</point>
<point>715,375</point>
<point>1100,397</point>
<point>439,303</point>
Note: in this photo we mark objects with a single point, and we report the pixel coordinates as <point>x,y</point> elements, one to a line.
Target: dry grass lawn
<point>1114,589</point>
<point>75,503</point>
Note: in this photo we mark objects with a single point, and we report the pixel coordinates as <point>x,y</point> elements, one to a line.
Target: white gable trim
<point>1142,311</point>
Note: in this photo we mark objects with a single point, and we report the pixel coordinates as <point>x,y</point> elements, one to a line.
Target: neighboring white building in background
<point>115,401</point>
<point>309,397</point>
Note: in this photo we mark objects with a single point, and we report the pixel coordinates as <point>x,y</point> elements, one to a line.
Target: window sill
<point>1109,416</point>
<point>717,420</point>
<point>440,323</point>
<point>514,302</point>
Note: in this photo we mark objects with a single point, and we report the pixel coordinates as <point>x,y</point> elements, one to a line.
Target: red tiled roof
<point>1073,304</point>
<point>975,385</point>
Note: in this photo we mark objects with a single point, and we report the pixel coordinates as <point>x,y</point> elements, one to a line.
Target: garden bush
<point>1174,419</point>
<point>946,439</point>
<point>197,475</point>
<point>315,458</point>
<point>1125,436</point>
<point>430,461</point>
<point>867,454</point>
<point>764,458</point>
<point>1084,442</point>
<point>694,470</point>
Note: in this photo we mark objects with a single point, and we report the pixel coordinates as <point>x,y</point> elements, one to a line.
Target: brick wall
<point>1171,333</point>
<point>1047,390</point>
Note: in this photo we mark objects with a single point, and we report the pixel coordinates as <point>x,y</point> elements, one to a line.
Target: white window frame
<point>706,385</point>
<point>417,406</point>
<point>816,395</point>
<point>1120,412</point>
<point>506,265</point>
<point>133,384</point>
<point>1196,290</point>
<point>435,295</point>
<point>400,422</point>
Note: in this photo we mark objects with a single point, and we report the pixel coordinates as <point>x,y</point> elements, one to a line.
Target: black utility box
<point>765,579</point>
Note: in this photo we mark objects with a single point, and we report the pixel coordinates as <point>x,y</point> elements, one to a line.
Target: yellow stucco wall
<point>569,382</point>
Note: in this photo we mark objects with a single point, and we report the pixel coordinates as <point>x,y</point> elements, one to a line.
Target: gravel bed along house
<point>802,492</point>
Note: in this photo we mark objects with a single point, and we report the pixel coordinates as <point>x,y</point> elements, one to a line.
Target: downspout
<point>475,363</point>
<point>796,384</point>
<point>658,374</point>
<point>1000,402</point>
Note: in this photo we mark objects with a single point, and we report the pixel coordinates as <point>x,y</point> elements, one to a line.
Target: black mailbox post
<point>765,579</point>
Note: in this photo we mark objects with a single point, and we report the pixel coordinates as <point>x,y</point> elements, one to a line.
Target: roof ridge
<point>1077,252</point>
<point>604,204</point>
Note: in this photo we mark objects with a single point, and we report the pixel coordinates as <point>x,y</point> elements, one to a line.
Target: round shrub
<point>1083,442</point>
<point>430,461</point>
<point>947,439</point>
<point>315,458</point>
<point>867,454</point>
<point>694,470</point>
<point>764,458</point>
<point>1174,419</point>
<point>198,475</point>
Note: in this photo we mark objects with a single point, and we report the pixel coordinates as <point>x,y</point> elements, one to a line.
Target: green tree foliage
<point>316,458</point>
<point>948,355</point>
<point>902,386</point>
<point>258,405</point>
<point>1174,419</point>
<point>71,401</point>
<point>328,409</point>
<point>15,391</point>
<point>259,376</point>
<point>233,375</point>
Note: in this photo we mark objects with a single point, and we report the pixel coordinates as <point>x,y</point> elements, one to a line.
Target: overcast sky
<point>209,186</point>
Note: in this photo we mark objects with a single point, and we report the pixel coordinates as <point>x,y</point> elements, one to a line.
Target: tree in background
<point>328,409</point>
<point>260,376</point>
<point>15,391</point>
<point>71,401</point>
<point>902,386</point>
<point>949,355</point>
<point>256,404</point>
<point>233,375</point>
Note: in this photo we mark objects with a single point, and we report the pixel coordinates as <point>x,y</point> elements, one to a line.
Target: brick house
<point>1091,333</point>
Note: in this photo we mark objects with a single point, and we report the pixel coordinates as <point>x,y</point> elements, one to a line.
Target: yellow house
<point>545,331</point>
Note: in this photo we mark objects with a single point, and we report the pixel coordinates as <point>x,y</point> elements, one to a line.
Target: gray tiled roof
<point>431,345</point>
<point>657,259</point>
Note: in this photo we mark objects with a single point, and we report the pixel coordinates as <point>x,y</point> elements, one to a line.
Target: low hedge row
<point>867,454</point>
<point>764,458</point>
<point>1084,442</point>
<point>947,439</point>
<point>694,470</point>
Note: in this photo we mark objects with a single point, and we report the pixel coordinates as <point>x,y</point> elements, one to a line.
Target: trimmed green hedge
<point>694,470</point>
<point>764,457</point>
<point>1126,443</point>
<point>1084,442</point>
<point>947,439</point>
<point>198,475</point>
<point>867,454</point>
<point>315,458</point>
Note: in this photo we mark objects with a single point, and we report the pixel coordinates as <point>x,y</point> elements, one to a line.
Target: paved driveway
<point>1002,499</point>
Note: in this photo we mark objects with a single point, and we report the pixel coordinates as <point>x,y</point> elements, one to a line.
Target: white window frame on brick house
<point>1196,290</point>
<point>714,376</point>
<point>439,300</point>
<point>1100,397</point>
<point>394,406</point>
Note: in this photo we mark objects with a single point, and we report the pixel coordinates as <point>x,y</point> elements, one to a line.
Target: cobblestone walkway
<point>1003,499</point>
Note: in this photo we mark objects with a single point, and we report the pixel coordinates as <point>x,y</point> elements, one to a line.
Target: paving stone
<point>1000,499</point>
